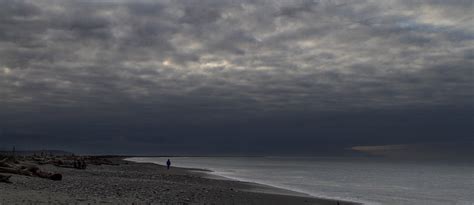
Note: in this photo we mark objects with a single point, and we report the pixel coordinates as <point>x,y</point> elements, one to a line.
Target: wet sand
<point>143,183</point>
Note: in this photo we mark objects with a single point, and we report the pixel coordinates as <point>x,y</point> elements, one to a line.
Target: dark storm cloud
<point>134,68</point>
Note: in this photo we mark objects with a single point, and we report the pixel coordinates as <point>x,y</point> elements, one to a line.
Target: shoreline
<point>142,183</point>
<point>253,187</point>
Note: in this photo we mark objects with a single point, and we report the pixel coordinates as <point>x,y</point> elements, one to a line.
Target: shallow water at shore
<point>371,181</point>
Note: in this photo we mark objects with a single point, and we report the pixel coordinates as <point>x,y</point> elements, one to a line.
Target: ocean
<point>366,180</point>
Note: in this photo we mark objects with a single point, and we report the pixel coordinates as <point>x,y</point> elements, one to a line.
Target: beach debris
<point>5,178</point>
<point>7,165</point>
<point>99,160</point>
<point>28,165</point>
<point>75,162</point>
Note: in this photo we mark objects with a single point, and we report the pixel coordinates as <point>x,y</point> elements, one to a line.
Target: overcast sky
<point>228,76</point>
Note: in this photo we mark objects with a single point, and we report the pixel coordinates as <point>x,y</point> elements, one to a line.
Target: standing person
<point>168,164</point>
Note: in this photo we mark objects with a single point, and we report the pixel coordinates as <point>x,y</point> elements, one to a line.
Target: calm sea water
<point>371,181</point>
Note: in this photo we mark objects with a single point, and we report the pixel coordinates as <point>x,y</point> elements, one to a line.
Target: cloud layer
<point>213,61</point>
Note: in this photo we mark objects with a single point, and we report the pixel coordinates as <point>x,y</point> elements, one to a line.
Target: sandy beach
<point>143,183</point>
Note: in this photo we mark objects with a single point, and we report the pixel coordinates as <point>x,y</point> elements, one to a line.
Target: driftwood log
<point>63,162</point>
<point>5,178</point>
<point>27,165</point>
<point>6,166</point>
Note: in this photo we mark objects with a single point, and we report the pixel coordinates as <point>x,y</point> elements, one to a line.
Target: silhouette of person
<point>168,164</point>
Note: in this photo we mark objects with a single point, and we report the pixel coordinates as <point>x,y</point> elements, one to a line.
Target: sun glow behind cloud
<point>6,70</point>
